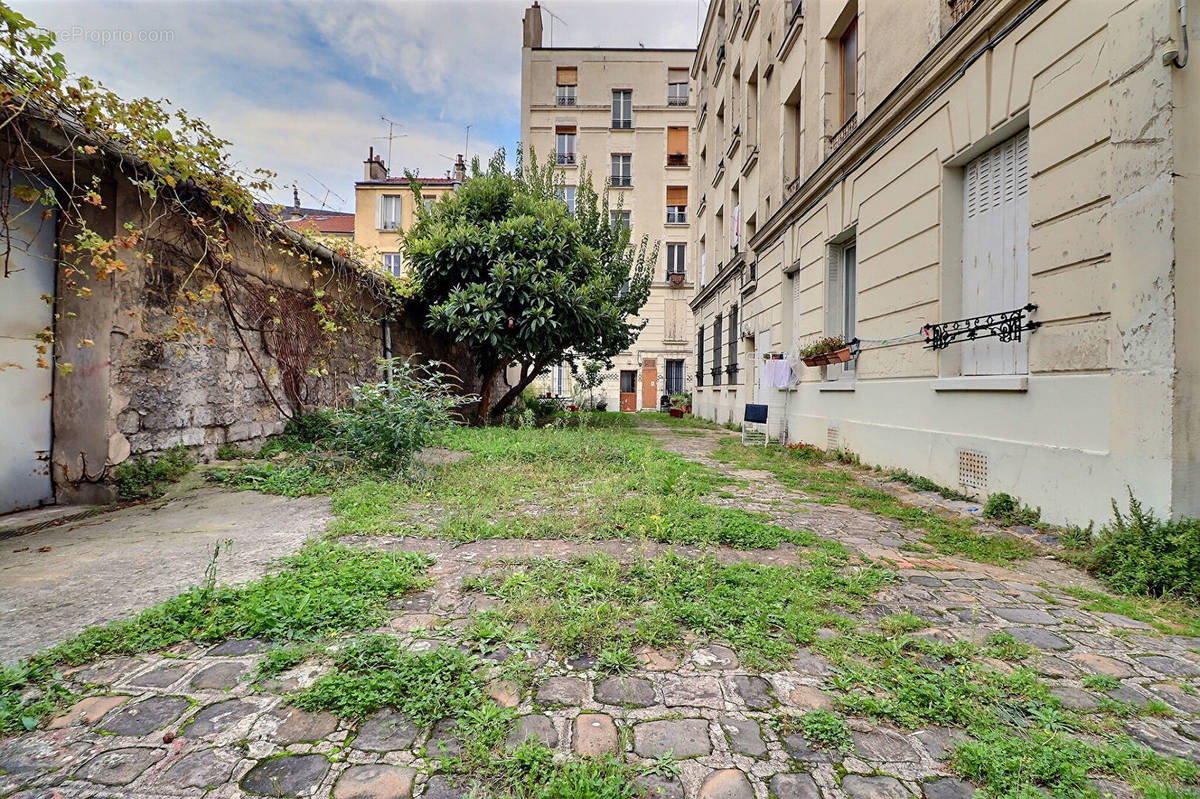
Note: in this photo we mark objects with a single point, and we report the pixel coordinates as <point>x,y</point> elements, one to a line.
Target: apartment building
<point>384,207</point>
<point>625,113</point>
<point>988,199</point>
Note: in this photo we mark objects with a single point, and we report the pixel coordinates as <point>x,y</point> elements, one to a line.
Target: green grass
<point>145,477</point>
<point>589,605</point>
<point>1165,615</point>
<point>325,589</point>
<point>821,728</point>
<point>925,484</point>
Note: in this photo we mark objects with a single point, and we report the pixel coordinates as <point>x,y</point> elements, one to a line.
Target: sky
<point>300,88</point>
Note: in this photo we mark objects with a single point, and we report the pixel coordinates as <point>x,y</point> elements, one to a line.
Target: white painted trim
<point>983,383</point>
<point>836,385</point>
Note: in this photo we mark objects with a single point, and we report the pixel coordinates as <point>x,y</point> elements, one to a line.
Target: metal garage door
<point>24,388</point>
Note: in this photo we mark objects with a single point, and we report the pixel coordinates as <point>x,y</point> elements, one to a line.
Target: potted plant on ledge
<point>680,404</point>
<point>832,349</point>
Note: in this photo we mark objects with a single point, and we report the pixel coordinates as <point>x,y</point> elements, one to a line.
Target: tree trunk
<point>527,377</point>
<point>485,395</point>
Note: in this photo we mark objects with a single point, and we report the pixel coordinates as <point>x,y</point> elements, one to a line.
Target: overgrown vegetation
<point>147,477</point>
<point>925,484</point>
<point>325,589</point>
<point>1006,509</point>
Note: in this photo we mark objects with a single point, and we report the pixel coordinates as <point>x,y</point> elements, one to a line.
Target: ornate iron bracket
<point>1006,326</point>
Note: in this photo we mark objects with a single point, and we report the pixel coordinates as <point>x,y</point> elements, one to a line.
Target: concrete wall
<point>1109,399</point>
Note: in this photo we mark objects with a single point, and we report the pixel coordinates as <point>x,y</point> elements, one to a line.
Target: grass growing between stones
<point>805,469</point>
<point>1165,615</point>
<point>593,605</point>
<point>325,589</point>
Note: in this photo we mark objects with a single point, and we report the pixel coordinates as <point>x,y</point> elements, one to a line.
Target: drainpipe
<point>387,348</point>
<point>1172,57</point>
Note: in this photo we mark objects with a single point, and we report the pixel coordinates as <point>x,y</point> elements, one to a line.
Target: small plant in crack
<point>1101,682</point>
<point>822,728</point>
<point>616,659</point>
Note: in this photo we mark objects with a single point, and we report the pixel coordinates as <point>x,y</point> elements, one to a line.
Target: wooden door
<point>628,390</point>
<point>650,384</point>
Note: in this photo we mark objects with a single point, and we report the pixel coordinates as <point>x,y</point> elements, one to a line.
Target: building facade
<point>384,207</point>
<point>625,115</point>
<point>882,170</point>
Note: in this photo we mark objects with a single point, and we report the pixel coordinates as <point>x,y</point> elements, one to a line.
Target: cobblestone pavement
<point>188,723</point>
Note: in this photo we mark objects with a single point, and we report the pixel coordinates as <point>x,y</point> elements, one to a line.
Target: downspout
<point>1172,57</point>
<point>387,347</point>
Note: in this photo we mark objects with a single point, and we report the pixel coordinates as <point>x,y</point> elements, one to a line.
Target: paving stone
<point>809,664</point>
<point>162,676</point>
<point>683,738</point>
<point>1159,736</point>
<point>563,691</point>
<point>119,766</point>
<point>884,746</point>
<point>240,646</point>
<point>1176,697</point>
<point>755,692</point>
<point>1175,667</point>
<point>374,782</point>
<point>208,768</point>
<point>1102,664</point>
<point>1051,666</point>
<point>729,783</point>
<point>218,718</point>
<point>858,787</point>
<point>537,727</point>
<point>442,787</point>
<point>1117,620</point>
<point>385,731</point>
<point>808,697</point>
<point>692,692</point>
<point>1042,639</point>
<point>146,716</point>
<point>744,736</point>
<point>657,659</point>
<point>219,676</point>
<point>928,582</point>
<point>1074,698</point>
<point>289,775</point>
<point>715,656</point>
<point>1108,789</point>
<point>627,691</point>
<point>659,787</point>
<point>504,693</point>
<point>798,747</point>
<point>418,602</point>
<point>86,712</point>
<point>1025,615</point>
<point>296,725</point>
<point>443,740</point>
<point>595,734</point>
<point>1129,694</point>
<point>939,741</point>
<point>794,786</point>
<point>104,672</point>
<point>947,788</point>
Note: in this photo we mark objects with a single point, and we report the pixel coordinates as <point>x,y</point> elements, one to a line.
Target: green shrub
<point>1141,554</point>
<point>229,452</point>
<point>1005,508</point>
<point>147,478</point>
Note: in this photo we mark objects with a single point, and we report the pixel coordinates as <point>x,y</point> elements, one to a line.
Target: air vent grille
<point>833,439</point>
<point>973,470</point>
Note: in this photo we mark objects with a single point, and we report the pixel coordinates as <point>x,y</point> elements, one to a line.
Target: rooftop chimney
<point>374,168</point>
<point>532,26</point>
<point>460,169</point>
<point>296,203</point>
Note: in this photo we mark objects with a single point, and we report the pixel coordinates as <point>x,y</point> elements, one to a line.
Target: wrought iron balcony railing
<point>566,159</point>
<point>843,132</point>
<point>620,181</point>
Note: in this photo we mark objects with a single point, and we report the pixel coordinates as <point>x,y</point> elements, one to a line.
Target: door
<point>24,388</point>
<point>762,343</point>
<point>628,390</point>
<point>649,384</point>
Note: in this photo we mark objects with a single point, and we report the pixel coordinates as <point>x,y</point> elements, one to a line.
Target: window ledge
<point>836,385</point>
<point>983,383</point>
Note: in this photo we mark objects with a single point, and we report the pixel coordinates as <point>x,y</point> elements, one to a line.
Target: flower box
<point>838,356</point>
<point>676,412</point>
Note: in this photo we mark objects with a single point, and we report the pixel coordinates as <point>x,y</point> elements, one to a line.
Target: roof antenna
<point>553,17</point>
<point>391,125</point>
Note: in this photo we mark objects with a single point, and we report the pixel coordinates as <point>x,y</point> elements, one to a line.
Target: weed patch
<point>1005,509</point>
<point>925,484</point>
<point>147,477</point>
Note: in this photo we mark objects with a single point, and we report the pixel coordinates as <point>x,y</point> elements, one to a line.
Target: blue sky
<point>299,87</point>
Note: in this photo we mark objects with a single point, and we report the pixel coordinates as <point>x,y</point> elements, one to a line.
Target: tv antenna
<point>553,17</point>
<point>392,125</point>
<point>328,192</point>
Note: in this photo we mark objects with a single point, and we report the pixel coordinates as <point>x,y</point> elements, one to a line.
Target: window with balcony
<point>567,195</point>
<point>564,142</point>
<point>622,108</point>
<point>716,351</point>
<point>388,217</point>
<point>676,205</point>
<point>677,86</point>
<point>618,219</point>
<point>393,263</point>
<point>566,79</point>
<point>622,170</point>
<point>677,146</point>
<point>848,51</point>
<point>676,254</point>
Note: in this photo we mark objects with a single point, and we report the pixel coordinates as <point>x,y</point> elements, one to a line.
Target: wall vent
<point>833,439</point>
<point>973,470</point>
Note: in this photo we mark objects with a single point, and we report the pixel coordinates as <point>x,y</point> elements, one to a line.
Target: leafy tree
<point>508,271</point>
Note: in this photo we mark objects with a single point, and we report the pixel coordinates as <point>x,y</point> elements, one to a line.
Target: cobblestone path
<point>187,722</point>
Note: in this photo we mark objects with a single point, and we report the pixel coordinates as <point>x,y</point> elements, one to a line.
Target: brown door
<point>650,384</point>
<point>628,390</point>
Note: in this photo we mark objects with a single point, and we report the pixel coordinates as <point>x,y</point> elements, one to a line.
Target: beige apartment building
<point>996,201</point>
<point>384,207</point>
<point>626,114</point>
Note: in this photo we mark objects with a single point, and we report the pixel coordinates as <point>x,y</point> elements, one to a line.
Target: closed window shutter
<point>676,195</point>
<point>568,76</point>
<point>677,141</point>
<point>833,294</point>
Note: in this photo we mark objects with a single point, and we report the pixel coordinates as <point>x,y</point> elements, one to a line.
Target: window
<point>618,219</point>
<point>564,141</point>
<point>622,170</point>
<point>567,195</point>
<point>628,381</point>
<point>849,61</point>
<point>700,356</point>
<point>389,212</point>
<point>393,263</point>
<point>622,108</point>
<point>841,294</point>
<point>716,351</point>
<point>674,377</point>
<point>566,79</point>
<point>677,146</point>
<point>995,267</point>
<point>676,205</point>
<point>675,259</point>
<point>677,93</point>
<point>731,365</point>
<point>429,200</point>
<point>560,380</point>
<point>752,109</point>
<point>794,126</point>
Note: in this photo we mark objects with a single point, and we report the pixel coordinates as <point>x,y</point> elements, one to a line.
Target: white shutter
<point>379,212</point>
<point>833,293</point>
<point>796,311</point>
<point>995,271</point>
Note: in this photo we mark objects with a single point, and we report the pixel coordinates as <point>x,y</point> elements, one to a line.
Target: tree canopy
<point>508,270</point>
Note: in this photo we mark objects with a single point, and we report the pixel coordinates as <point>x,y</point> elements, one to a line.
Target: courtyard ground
<point>654,604</point>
